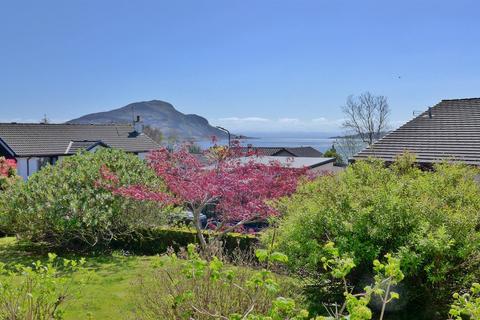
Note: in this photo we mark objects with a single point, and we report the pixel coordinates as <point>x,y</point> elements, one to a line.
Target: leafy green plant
<point>332,153</point>
<point>207,289</point>
<point>40,291</point>
<point>466,305</point>
<point>60,204</point>
<point>387,275</point>
<point>430,219</point>
<point>210,289</point>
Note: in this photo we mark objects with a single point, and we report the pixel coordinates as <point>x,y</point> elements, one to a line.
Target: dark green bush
<point>157,240</point>
<point>62,206</point>
<point>431,219</point>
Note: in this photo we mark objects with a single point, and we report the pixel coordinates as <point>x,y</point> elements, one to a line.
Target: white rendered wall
<point>24,170</point>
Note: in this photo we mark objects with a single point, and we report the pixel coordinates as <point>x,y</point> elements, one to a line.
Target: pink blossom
<point>240,190</point>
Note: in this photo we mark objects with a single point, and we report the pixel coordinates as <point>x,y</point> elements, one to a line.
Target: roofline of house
<point>67,124</point>
<point>283,149</point>
<point>322,163</point>
<point>65,154</point>
<point>7,147</point>
<point>461,99</point>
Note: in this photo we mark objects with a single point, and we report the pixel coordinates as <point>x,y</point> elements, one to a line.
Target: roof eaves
<point>7,147</point>
<point>329,160</point>
<point>283,149</point>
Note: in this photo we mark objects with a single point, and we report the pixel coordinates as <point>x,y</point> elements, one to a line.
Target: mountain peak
<point>160,115</point>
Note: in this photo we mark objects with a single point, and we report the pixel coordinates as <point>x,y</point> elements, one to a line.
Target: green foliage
<point>387,275</point>
<point>195,288</point>
<point>466,305</point>
<point>62,206</point>
<point>332,153</point>
<point>431,220</point>
<point>194,148</point>
<point>159,239</point>
<point>40,291</point>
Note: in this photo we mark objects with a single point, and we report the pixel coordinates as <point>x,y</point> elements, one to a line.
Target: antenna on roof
<point>45,120</point>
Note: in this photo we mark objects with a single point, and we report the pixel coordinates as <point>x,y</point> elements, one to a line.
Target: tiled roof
<point>292,162</point>
<point>284,151</point>
<point>452,133</point>
<point>75,146</point>
<point>54,139</point>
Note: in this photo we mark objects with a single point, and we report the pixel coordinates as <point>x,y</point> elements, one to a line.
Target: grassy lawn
<point>109,295</point>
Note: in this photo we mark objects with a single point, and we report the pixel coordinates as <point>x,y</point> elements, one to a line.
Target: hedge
<point>158,240</point>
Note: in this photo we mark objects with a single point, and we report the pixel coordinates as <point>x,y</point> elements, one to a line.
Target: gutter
<point>322,163</point>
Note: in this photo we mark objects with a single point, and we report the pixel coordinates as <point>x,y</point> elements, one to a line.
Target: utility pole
<point>228,133</point>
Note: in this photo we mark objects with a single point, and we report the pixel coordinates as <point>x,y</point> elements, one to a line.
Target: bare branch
<point>366,116</point>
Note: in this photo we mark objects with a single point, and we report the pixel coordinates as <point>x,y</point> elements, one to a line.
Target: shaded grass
<point>108,295</point>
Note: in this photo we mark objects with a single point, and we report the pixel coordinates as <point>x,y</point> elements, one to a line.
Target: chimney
<point>138,125</point>
<point>430,112</point>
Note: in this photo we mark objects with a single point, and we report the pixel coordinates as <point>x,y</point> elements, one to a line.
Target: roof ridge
<point>66,124</point>
<point>461,99</point>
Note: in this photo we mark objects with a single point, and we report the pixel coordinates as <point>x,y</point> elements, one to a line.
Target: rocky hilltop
<point>160,115</point>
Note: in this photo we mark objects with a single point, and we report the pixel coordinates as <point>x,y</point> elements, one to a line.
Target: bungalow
<point>35,145</point>
<point>448,131</point>
<point>283,151</point>
<point>313,164</point>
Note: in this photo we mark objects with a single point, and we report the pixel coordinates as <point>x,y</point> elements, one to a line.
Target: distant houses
<point>35,145</point>
<point>283,151</point>
<point>294,157</point>
<point>448,131</point>
<point>313,164</point>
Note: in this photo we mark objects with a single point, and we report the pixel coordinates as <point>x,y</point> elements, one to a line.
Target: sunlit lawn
<point>108,295</point>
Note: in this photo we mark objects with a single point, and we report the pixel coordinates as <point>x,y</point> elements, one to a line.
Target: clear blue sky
<point>251,64</point>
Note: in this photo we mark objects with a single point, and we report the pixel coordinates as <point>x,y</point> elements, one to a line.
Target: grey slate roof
<point>54,139</point>
<point>284,151</point>
<point>452,133</point>
<point>75,146</point>
<point>292,162</point>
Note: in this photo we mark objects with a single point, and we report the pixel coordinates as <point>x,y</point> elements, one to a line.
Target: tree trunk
<point>198,227</point>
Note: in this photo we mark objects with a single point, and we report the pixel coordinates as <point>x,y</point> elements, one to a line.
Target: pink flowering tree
<point>241,189</point>
<point>8,172</point>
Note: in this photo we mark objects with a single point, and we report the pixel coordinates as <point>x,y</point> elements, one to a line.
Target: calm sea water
<point>321,144</point>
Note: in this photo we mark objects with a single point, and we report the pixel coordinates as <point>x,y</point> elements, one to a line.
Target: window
<point>42,162</point>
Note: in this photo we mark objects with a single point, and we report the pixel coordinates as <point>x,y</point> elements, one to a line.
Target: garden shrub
<point>195,288</point>
<point>429,218</point>
<point>40,291</point>
<point>60,204</point>
<point>466,305</point>
<point>158,240</point>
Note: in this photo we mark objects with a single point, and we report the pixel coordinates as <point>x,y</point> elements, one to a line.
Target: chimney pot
<point>138,125</point>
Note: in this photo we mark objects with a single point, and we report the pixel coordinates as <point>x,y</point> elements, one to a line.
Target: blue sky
<point>249,64</point>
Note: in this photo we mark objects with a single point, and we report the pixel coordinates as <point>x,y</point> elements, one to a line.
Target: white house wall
<point>25,171</point>
<point>27,166</point>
